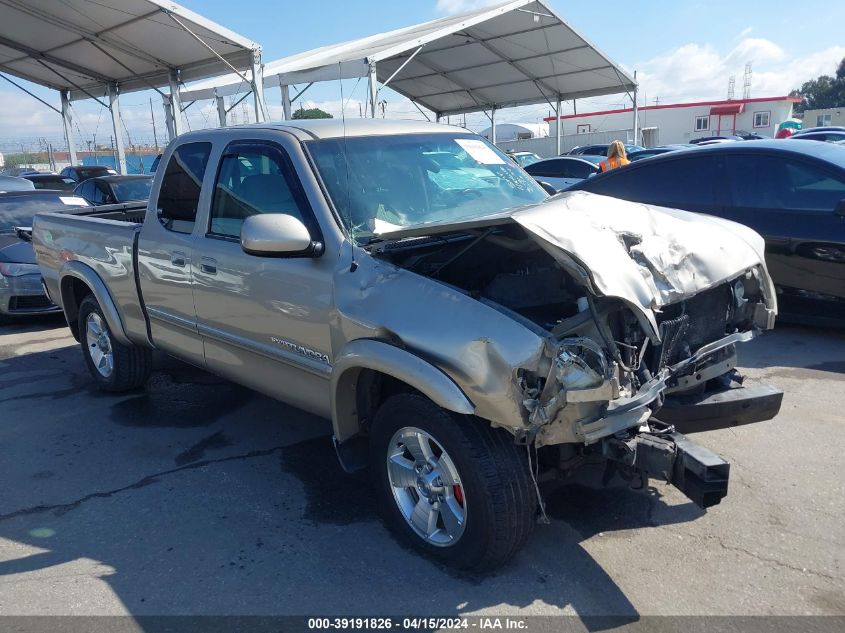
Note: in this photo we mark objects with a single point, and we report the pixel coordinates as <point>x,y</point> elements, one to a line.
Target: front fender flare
<point>395,362</point>
<point>88,276</point>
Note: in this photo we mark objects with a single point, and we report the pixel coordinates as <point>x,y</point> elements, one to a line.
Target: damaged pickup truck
<point>465,333</point>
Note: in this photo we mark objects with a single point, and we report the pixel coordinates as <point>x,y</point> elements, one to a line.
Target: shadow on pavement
<point>196,496</point>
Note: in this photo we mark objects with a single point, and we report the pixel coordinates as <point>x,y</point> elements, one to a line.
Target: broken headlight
<point>580,364</point>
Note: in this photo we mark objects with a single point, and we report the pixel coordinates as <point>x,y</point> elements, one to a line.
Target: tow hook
<point>696,471</point>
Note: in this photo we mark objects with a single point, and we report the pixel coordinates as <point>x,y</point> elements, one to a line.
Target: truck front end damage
<point>634,306</point>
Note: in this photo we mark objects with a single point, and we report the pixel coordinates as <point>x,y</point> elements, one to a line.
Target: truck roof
<point>312,129</point>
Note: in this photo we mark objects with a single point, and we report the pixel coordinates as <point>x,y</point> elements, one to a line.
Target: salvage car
<point>460,340</point>
<point>793,194</point>
<point>21,292</point>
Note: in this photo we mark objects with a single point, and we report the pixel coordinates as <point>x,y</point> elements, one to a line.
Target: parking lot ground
<point>196,496</point>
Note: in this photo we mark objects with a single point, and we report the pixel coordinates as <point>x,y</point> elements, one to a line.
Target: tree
<point>822,92</point>
<point>311,113</point>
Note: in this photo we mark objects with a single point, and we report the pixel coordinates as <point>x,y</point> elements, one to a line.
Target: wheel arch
<point>77,281</point>
<point>366,364</point>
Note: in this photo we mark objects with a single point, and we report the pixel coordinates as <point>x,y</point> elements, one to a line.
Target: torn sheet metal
<point>649,256</point>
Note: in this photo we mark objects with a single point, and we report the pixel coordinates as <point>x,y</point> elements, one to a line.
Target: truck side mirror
<point>277,235</point>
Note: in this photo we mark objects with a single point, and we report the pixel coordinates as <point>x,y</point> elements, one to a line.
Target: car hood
<point>646,255</point>
<point>15,250</point>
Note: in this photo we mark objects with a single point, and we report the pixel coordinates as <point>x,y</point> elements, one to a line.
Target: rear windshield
<point>91,172</point>
<point>19,210</point>
<point>52,182</point>
<point>132,189</point>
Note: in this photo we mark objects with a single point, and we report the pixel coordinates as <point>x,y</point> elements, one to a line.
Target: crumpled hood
<point>647,255</point>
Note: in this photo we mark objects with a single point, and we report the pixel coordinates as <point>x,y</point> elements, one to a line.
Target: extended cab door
<point>165,249</point>
<point>264,320</point>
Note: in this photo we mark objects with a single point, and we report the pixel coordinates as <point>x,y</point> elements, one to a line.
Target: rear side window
<point>179,195</point>
<point>769,182</point>
<point>543,168</point>
<point>683,184</point>
<point>254,178</point>
<point>577,169</point>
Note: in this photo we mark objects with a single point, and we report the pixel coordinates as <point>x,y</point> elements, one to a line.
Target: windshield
<point>53,182</point>
<point>378,183</point>
<point>526,159</point>
<point>19,210</point>
<point>135,189</point>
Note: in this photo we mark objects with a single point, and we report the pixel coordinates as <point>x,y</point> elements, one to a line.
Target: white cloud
<point>745,32</point>
<point>695,72</point>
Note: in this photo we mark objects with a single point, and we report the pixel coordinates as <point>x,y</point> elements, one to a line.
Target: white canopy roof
<point>83,45</point>
<point>516,53</point>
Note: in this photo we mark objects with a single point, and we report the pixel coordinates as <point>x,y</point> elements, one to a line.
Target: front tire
<point>451,486</point>
<point>113,366</point>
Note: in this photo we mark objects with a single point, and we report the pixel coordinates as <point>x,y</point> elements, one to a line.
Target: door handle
<point>208,265</point>
<point>178,259</point>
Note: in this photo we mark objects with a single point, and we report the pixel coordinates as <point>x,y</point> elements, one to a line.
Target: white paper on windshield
<point>74,201</point>
<point>480,151</point>
<point>380,226</point>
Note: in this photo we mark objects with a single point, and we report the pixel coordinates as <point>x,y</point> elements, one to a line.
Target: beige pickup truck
<point>464,332</point>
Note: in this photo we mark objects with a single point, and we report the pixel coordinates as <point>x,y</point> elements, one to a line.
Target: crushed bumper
<point>695,470</point>
<point>731,406</point>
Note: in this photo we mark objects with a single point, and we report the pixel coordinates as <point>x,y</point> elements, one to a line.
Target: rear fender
<point>77,270</point>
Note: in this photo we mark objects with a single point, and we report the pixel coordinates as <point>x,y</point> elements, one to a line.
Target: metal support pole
<point>636,113</point>
<point>175,106</point>
<point>437,117</point>
<point>258,88</point>
<point>153,116</point>
<point>286,101</point>
<point>373,82</point>
<point>168,117</point>
<point>67,119</point>
<point>558,125</point>
<point>221,109</point>
<point>114,107</point>
<point>493,125</point>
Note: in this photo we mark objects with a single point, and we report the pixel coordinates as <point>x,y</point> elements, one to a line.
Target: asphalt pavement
<point>196,496</point>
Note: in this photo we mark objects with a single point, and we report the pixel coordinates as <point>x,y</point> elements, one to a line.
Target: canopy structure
<point>95,49</point>
<point>516,53</point>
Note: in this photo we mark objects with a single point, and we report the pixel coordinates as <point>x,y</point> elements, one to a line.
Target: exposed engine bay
<point>602,366</point>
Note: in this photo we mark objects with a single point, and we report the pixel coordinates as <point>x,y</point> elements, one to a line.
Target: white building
<point>681,122</point>
<point>516,131</point>
<point>825,117</point>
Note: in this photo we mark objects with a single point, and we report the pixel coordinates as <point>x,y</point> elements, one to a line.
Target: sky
<point>681,50</point>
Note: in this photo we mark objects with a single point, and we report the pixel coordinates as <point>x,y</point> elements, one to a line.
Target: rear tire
<point>464,495</point>
<point>113,366</point>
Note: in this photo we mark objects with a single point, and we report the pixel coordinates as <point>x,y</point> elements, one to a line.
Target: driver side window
<point>252,178</point>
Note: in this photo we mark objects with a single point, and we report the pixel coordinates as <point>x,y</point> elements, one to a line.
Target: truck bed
<point>100,238</point>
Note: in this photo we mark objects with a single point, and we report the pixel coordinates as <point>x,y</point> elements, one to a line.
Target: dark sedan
<point>793,194</point>
<point>80,173</point>
<point>827,134</point>
<point>601,149</point>
<point>563,171</point>
<point>20,279</point>
<point>115,189</point>
<point>51,181</point>
<point>657,151</point>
